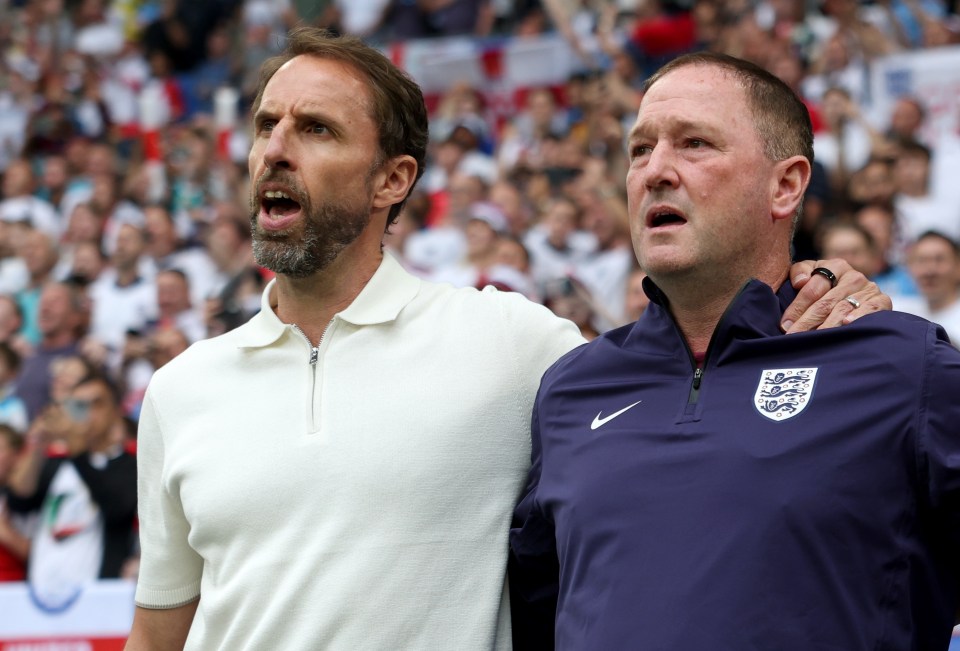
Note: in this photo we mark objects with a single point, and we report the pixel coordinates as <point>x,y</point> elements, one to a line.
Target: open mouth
<point>279,204</point>
<point>665,218</point>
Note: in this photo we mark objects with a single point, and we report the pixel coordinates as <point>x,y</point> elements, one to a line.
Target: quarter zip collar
<point>754,313</point>
<point>390,290</point>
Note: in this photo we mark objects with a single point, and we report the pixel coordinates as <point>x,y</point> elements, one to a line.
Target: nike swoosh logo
<point>600,422</point>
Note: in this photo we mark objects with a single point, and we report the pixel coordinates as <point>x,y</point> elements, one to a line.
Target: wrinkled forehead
<point>695,93</point>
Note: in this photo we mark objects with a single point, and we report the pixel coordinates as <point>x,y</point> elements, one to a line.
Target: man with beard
<point>339,473</point>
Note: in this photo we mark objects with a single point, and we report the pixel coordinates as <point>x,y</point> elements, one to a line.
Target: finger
<point>853,297</point>
<point>815,300</point>
<point>843,300</point>
<point>800,272</point>
<point>854,285</point>
<point>842,306</point>
<point>871,300</point>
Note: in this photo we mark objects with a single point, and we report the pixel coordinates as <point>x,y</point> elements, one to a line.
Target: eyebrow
<point>680,125</point>
<point>303,114</point>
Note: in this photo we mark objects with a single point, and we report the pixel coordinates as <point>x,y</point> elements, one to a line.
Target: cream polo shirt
<point>361,500</point>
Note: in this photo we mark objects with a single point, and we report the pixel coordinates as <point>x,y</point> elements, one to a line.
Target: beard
<point>327,231</point>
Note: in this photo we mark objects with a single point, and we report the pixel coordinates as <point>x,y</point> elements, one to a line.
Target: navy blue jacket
<point>802,493</point>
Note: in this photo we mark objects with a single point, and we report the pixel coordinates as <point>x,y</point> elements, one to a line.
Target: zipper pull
<point>314,355</point>
<point>697,377</point>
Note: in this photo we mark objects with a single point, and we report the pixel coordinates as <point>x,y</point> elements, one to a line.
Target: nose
<point>660,169</point>
<point>279,150</point>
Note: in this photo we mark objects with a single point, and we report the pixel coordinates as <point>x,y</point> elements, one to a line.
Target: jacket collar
<point>389,290</point>
<point>755,312</point>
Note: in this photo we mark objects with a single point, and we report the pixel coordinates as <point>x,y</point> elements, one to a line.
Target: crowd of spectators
<point>124,228</point>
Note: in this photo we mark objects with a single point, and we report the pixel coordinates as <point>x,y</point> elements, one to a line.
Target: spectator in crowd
<point>14,527</point>
<point>787,65</point>
<point>512,253</point>
<point>605,271</point>
<point>834,66</point>
<point>873,183</point>
<point>174,309</point>
<point>124,299</point>
<point>462,106</point>
<point>143,354</point>
<point>906,120</point>
<point>525,135</point>
<point>86,495</point>
<point>853,243</point>
<point>236,294</point>
<point>86,264</point>
<point>506,196</point>
<point>556,243</point>
<point>892,278</point>
<point>845,145</point>
<point>94,166</point>
<point>853,24</point>
<point>934,263</point>
<point>165,247</point>
<point>109,206</point>
<point>84,226</point>
<point>40,255</point>
<point>919,207</point>
<point>65,373</point>
<point>444,243</point>
<point>13,271</point>
<point>13,412</point>
<point>484,226</point>
<point>191,166</point>
<point>11,321</point>
<point>54,176</point>
<point>20,205</point>
<point>569,299</point>
<point>61,316</point>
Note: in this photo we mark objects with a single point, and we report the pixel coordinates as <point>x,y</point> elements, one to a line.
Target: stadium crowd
<point>124,226</point>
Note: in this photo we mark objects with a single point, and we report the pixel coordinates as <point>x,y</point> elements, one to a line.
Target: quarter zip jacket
<point>820,512</point>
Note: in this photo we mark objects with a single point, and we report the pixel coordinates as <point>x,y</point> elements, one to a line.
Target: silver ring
<point>852,301</point>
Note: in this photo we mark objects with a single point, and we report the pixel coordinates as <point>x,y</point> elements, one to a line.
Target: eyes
<point>266,126</point>
<point>642,149</point>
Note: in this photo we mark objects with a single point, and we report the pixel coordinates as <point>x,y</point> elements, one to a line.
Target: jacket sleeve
<point>533,568</point>
<point>939,435</point>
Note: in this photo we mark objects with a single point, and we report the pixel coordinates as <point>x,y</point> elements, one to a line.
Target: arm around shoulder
<point>161,629</point>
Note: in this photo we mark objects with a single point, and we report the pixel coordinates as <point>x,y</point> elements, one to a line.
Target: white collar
<point>389,290</point>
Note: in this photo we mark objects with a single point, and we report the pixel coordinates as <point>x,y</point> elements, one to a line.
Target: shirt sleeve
<point>536,338</point>
<point>533,567</point>
<point>170,569</point>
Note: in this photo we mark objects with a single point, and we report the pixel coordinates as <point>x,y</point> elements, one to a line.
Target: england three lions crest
<point>784,392</point>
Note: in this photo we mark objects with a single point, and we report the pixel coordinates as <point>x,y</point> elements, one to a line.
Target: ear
<point>792,176</point>
<point>396,178</point>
